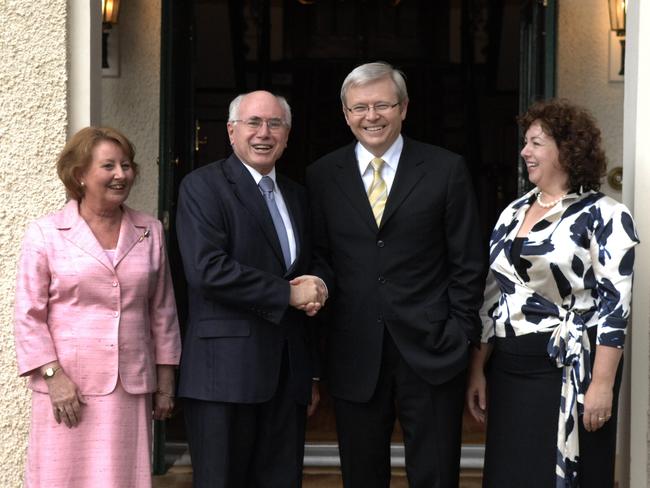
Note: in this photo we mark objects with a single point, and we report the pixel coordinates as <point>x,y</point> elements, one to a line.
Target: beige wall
<point>582,71</point>
<point>131,101</point>
<point>32,130</point>
<point>35,109</point>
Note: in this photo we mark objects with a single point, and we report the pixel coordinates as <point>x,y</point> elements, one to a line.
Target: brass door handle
<point>615,178</point>
<point>198,140</point>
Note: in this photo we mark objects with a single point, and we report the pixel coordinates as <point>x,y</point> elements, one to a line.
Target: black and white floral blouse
<point>575,273</point>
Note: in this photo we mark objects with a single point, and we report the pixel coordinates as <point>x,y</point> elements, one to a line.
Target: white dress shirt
<point>388,170</point>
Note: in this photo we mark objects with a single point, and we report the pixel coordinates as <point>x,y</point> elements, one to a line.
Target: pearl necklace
<point>549,204</point>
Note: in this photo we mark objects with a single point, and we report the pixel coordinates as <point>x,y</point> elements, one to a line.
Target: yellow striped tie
<point>378,191</point>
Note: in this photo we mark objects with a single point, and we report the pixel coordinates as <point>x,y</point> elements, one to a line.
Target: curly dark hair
<point>577,137</point>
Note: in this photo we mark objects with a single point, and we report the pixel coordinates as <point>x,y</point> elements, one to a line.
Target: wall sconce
<point>617,13</point>
<point>110,52</point>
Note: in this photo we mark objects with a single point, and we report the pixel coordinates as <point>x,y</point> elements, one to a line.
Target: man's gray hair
<point>371,72</point>
<point>233,109</point>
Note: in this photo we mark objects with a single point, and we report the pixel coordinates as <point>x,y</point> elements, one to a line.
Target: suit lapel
<point>76,230</point>
<point>295,214</point>
<point>250,197</point>
<point>130,234</point>
<point>349,180</point>
<point>409,174</point>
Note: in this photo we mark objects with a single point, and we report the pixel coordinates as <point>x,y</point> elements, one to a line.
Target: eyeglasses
<point>255,123</point>
<point>380,108</point>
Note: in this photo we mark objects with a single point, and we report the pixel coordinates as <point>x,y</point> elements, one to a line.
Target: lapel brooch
<point>146,234</point>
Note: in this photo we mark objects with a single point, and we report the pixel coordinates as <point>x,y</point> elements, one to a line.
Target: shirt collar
<point>571,197</point>
<point>257,176</point>
<point>390,157</point>
<point>568,199</point>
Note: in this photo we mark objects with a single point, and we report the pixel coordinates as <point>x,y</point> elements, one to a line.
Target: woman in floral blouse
<point>554,315</point>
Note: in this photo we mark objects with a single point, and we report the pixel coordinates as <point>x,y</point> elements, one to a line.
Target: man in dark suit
<point>397,241</point>
<point>246,371</point>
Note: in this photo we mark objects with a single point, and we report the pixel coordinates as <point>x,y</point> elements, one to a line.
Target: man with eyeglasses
<point>247,368</point>
<point>397,240</point>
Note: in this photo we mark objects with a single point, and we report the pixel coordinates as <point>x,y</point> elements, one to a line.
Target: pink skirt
<point>111,446</point>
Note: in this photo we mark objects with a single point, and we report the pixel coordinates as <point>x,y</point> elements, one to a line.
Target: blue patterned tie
<point>266,185</point>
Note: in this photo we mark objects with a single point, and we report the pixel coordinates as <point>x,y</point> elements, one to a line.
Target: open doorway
<point>462,60</point>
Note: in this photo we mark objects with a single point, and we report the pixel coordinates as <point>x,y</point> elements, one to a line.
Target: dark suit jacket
<point>420,275</point>
<point>239,313</point>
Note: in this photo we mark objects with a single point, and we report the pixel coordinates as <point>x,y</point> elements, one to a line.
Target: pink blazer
<point>100,319</point>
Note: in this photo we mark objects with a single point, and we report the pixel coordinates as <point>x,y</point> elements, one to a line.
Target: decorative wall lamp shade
<point>110,46</point>
<point>617,12</point>
<point>110,11</point>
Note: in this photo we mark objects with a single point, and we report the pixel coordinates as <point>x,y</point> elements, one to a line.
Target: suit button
<point>114,283</point>
<point>380,243</point>
<point>381,280</point>
<point>116,314</point>
<point>380,319</point>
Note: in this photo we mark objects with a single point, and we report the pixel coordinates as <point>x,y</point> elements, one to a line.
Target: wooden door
<point>537,63</point>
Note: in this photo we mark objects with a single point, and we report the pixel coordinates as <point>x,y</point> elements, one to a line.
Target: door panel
<point>537,63</point>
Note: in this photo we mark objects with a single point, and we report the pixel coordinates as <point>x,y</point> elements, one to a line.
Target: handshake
<point>308,293</point>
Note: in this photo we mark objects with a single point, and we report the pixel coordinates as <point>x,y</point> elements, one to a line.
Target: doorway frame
<point>326,454</point>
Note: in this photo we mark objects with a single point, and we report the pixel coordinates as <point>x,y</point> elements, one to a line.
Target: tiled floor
<point>181,477</point>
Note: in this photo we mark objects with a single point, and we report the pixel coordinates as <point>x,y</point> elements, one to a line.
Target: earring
<point>82,184</point>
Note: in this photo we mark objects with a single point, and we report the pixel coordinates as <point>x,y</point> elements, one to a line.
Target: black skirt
<point>524,389</point>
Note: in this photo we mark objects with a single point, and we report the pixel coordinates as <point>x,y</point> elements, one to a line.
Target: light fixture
<point>110,11</point>
<point>110,15</point>
<point>617,13</point>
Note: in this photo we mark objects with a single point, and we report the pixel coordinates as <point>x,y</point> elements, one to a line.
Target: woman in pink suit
<point>95,324</point>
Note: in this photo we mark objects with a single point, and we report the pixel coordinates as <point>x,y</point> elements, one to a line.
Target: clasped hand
<point>308,293</point>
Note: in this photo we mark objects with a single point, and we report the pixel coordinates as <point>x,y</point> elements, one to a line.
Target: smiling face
<point>261,147</point>
<point>376,132</point>
<point>542,158</point>
<point>108,178</point>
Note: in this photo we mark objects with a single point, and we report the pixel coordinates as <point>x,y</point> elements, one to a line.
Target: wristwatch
<point>50,372</point>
